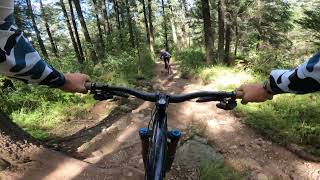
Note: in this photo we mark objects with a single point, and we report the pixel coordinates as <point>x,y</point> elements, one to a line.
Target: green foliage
<point>40,109</point>
<point>191,60</point>
<point>270,58</point>
<point>31,97</point>
<point>118,67</point>
<point>66,64</point>
<point>284,121</point>
<point>271,21</point>
<point>311,21</point>
<point>125,68</point>
<point>218,171</point>
<point>224,78</point>
<point>48,115</point>
<point>20,10</point>
<point>196,24</point>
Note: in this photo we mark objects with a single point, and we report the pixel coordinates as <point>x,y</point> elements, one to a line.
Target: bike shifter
<point>227,104</point>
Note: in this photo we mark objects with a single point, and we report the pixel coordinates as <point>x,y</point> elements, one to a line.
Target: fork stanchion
<point>144,136</point>
<point>174,137</point>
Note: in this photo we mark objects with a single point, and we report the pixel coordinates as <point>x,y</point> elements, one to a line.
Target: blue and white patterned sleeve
<point>18,59</point>
<point>301,80</point>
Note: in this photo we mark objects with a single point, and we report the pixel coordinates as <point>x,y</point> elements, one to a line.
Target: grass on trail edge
<point>39,110</point>
<point>219,171</point>
<point>42,120</point>
<point>286,119</point>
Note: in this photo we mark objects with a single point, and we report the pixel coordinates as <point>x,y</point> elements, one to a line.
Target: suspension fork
<point>145,140</point>
<point>173,139</point>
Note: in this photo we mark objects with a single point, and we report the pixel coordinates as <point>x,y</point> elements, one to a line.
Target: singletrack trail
<point>241,147</point>
<point>111,149</point>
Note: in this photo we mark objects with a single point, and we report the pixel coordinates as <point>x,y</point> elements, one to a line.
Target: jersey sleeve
<point>301,80</point>
<point>18,59</point>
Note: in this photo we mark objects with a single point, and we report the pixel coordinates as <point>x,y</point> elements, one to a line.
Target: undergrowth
<point>217,170</point>
<point>286,119</point>
<point>39,109</point>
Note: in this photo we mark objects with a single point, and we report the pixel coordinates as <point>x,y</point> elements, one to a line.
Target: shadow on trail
<point>115,153</point>
<point>74,141</point>
<point>48,164</point>
<point>243,149</point>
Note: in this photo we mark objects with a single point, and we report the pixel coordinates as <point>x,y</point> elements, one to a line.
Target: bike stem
<point>161,104</point>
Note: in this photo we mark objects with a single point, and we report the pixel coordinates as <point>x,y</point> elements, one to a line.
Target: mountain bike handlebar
<point>103,92</point>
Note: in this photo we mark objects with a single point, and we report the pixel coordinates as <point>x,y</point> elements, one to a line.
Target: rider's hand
<point>75,82</point>
<point>253,93</point>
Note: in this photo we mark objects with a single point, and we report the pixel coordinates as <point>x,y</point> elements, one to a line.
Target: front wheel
<point>155,169</point>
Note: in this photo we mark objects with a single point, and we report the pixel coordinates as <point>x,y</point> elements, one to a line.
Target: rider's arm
<point>303,79</point>
<point>161,55</point>
<point>18,59</point>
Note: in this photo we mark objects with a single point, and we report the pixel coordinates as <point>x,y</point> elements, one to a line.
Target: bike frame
<point>155,164</point>
<point>156,160</point>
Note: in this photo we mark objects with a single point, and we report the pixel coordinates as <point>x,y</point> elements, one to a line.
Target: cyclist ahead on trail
<point>19,60</point>
<point>165,56</point>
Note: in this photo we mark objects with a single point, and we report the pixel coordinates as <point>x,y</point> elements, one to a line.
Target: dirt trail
<point>241,147</point>
<point>119,145</point>
<point>111,150</point>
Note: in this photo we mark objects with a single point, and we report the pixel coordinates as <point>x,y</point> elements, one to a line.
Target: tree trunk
<point>105,16</point>
<point>66,18</point>
<point>207,30</point>
<point>96,11</point>
<point>185,26</point>
<point>165,26</point>
<point>236,37</point>
<point>173,25</point>
<point>122,20</point>
<point>228,43</point>
<point>78,42</point>
<point>93,55</point>
<point>35,28</point>
<point>258,24</point>
<point>130,24</point>
<point>116,9</point>
<point>15,143</point>
<point>150,23</point>
<point>213,23</point>
<point>53,45</point>
<point>146,25</point>
<point>221,19</point>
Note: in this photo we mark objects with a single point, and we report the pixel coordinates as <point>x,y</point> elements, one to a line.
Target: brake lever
<point>101,93</point>
<point>227,104</point>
